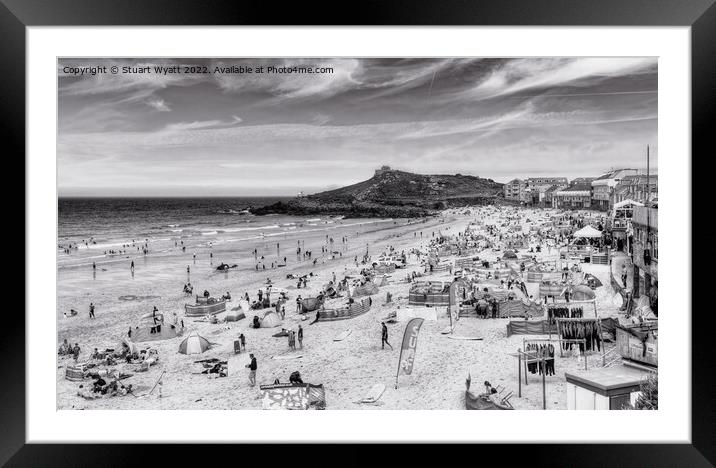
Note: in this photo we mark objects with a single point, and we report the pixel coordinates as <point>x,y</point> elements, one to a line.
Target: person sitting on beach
<point>98,384</point>
<point>85,393</point>
<point>206,294</point>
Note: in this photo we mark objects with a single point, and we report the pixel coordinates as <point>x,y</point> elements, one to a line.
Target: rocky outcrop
<point>395,194</point>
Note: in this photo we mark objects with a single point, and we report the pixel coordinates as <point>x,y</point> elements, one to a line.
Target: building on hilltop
<point>383,170</point>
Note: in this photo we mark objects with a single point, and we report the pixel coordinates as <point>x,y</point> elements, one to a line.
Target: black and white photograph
<point>357,233</point>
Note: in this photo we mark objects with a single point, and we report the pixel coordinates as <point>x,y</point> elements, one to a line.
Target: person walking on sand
<point>384,336</point>
<point>76,351</point>
<point>300,336</point>
<point>91,310</point>
<point>252,370</point>
<point>624,274</point>
<point>242,338</point>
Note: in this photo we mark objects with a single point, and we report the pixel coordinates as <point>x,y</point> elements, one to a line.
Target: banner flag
<point>407,350</point>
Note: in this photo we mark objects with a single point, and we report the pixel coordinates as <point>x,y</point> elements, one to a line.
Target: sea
<point>96,229</point>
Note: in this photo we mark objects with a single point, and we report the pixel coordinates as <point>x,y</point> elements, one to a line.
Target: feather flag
<point>407,350</point>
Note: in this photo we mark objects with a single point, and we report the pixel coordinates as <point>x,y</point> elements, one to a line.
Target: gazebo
<point>588,232</point>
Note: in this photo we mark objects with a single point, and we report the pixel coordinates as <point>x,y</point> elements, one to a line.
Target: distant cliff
<point>395,194</point>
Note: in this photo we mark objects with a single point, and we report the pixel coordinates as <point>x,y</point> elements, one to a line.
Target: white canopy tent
<point>588,232</point>
<point>627,204</point>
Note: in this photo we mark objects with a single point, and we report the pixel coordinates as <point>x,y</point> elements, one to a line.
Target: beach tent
<point>235,315</point>
<point>244,305</point>
<point>194,344</point>
<point>270,320</point>
<point>367,289</point>
<point>588,232</point>
<point>582,293</point>
<point>509,254</point>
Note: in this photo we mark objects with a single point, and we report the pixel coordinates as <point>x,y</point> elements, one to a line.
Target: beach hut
<point>194,344</point>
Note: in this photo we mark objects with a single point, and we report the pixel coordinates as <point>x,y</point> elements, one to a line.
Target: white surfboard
<point>468,338</point>
<point>343,335</point>
<point>375,392</point>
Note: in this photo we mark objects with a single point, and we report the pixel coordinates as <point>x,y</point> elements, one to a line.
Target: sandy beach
<point>346,368</point>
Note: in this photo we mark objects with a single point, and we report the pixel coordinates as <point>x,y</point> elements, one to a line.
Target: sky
<point>225,133</point>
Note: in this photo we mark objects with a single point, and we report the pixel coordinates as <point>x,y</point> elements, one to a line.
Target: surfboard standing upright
<point>407,350</point>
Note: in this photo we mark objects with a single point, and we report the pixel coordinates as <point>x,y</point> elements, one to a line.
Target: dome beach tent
<point>239,312</point>
<point>194,344</point>
<point>588,232</point>
<point>270,320</point>
<point>510,254</point>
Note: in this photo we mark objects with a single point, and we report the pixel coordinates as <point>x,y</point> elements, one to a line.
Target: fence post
<point>519,373</point>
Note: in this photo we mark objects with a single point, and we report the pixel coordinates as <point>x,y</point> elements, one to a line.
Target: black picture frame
<point>700,15</point>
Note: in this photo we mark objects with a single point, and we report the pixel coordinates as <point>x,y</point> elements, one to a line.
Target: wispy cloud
<point>256,133</point>
<point>159,105</point>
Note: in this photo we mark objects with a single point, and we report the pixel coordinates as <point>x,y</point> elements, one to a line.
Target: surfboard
<point>447,330</point>
<point>343,335</point>
<point>375,392</point>
<point>470,338</point>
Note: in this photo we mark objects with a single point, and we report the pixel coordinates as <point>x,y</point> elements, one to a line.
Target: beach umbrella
<point>194,344</point>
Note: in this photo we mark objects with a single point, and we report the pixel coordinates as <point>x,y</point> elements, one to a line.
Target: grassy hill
<point>394,194</point>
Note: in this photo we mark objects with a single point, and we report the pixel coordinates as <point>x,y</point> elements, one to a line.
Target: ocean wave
<point>257,228</point>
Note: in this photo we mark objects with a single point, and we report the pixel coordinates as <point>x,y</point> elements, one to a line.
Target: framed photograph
<point>381,224</point>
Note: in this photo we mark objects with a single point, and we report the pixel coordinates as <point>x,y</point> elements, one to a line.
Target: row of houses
<point>600,193</point>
